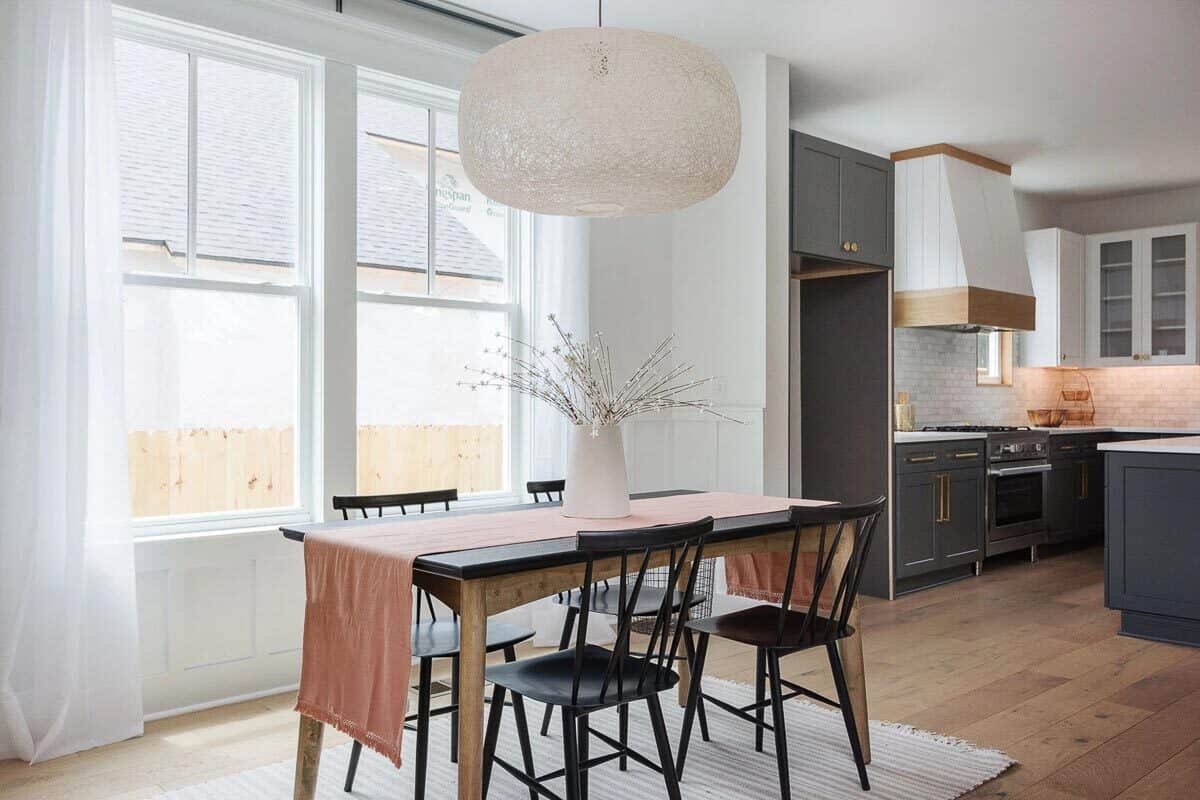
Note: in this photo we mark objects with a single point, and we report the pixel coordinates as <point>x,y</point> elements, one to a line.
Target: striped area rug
<point>907,764</point>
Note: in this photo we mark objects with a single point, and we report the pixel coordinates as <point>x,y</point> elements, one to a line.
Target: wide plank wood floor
<point>1025,658</point>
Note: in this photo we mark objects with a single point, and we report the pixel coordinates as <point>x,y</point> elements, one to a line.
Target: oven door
<point>1017,500</point>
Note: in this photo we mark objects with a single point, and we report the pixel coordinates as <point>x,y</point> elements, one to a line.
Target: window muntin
<point>215,192</point>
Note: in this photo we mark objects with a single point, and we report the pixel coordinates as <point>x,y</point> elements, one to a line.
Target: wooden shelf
<point>1112,298</point>
<point>1117,265</point>
<point>1181,260</point>
<point>1170,294</point>
<point>1116,330</point>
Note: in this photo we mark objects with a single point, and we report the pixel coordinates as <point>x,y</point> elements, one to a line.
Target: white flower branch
<point>576,378</point>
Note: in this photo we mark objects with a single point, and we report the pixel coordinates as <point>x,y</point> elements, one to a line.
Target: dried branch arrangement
<point>576,378</point>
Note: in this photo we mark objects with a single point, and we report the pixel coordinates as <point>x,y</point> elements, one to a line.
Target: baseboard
<point>225,701</point>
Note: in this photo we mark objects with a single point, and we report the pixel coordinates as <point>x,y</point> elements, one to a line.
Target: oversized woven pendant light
<point>599,122</point>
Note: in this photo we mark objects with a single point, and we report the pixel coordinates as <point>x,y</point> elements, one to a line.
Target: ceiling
<point>1085,98</point>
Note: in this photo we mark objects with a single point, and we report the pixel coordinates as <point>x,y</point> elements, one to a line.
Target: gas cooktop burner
<point>975,428</point>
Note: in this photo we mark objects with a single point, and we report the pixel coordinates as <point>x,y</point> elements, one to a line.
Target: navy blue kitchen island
<point>1152,537</point>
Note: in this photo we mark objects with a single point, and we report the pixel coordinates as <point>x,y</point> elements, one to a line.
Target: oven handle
<point>1004,472</point>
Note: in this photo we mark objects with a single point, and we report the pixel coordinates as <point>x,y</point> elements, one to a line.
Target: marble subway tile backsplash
<point>937,369</point>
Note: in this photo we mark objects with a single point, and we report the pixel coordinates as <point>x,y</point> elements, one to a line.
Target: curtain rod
<point>463,14</point>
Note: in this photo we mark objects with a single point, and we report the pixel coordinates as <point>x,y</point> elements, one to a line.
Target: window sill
<point>469,504</point>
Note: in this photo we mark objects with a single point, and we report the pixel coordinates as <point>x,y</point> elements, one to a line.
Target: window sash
<point>199,42</point>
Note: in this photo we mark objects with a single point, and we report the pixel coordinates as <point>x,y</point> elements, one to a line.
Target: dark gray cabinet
<point>939,500</point>
<point>1075,487</point>
<point>842,202</point>
<point>1151,550</point>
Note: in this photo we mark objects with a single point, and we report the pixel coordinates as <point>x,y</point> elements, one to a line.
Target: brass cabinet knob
<point>854,247</point>
<point>1137,356</point>
<point>846,247</point>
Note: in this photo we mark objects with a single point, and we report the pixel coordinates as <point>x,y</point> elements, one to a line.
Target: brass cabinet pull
<point>972,454</point>
<point>947,479</point>
<point>1137,356</point>
<point>854,247</point>
<point>943,498</point>
<point>1065,447</point>
<point>846,246</point>
<point>920,459</point>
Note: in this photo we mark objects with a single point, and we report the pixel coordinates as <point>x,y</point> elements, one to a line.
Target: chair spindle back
<point>845,534</point>
<point>548,488</point>
<point>639,550</point>
<point>378,502</point>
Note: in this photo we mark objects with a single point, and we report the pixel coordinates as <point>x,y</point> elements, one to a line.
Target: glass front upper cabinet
<point>1142,297</point>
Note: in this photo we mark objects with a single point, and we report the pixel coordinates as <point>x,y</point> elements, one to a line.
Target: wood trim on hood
<point>964,305</point>
<point>955,152</point>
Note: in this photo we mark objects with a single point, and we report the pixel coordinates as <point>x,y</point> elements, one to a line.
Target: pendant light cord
<point>599,13</point>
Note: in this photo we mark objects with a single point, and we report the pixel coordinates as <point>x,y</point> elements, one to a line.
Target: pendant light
<point>599,122</point>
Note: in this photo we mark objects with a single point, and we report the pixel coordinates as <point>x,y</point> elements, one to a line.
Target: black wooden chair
<point>548,488</point>
<point>604,601</point>
<point>432,639</point>
<point>777,631</point>
<point>590,678</point>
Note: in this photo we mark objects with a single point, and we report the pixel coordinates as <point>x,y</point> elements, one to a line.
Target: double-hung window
<point>216,154</point>
<point>437,284</point>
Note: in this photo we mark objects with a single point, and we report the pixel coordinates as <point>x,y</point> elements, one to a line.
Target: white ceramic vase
<point>597,486</point>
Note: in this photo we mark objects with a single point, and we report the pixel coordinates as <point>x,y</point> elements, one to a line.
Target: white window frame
<point>307,70</point>
<point>436,98</point>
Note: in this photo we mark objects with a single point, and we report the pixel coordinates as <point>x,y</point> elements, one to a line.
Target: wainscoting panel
<point>696,451</point>
<point>221,617</point>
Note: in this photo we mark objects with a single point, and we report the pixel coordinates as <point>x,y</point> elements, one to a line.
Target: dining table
<point>482,581</point>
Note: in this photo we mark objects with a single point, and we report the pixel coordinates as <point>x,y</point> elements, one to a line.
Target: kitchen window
<point>437,284</point>
<point>216,223</point>
<point>994,358</point>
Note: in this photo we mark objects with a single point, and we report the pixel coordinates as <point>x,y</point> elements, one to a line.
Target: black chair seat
<point>549,678</point>
<point>607,599</point>
<point>758,626</point>
<point>441,639</point>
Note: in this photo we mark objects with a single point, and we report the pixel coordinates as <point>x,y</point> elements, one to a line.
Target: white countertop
<point>1184,445</point>
<point>916,437</point>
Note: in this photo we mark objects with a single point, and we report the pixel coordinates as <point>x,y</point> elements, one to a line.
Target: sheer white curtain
<point>69,666</point>
<point>560,275</point>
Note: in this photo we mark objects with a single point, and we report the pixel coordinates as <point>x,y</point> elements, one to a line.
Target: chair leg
<point>581,723</point>
<point>781,754</point>
<point>423,692</point>
<point>623,734</point>
<point>693,702</point>
<point>564,642</point>
<point>760,694</point>
<point>689,645</point>
<point>570,756</point>
<point>839,680</point>
<point>454,714</point>
<point>518,702</point>
<point>355,752</point>
<point>491,735</point>
<point>664,748</point>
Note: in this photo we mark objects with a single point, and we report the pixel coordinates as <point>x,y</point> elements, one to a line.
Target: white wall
<point>716,275</point>
<point>1169,207</point>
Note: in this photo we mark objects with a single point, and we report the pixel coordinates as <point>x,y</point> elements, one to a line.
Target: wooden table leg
<point>851,652</point>
<point>856,683</point>
<point>308,758</point>
<point>472,651</point>
<point>683,667</point>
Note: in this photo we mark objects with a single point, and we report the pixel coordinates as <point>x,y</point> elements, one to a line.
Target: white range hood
<point>960,253</point>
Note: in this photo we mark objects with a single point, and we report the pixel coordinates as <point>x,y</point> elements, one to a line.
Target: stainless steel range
<point>1017,465</point>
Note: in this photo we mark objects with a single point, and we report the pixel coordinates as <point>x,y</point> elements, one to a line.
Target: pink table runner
<point>358,616</point>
